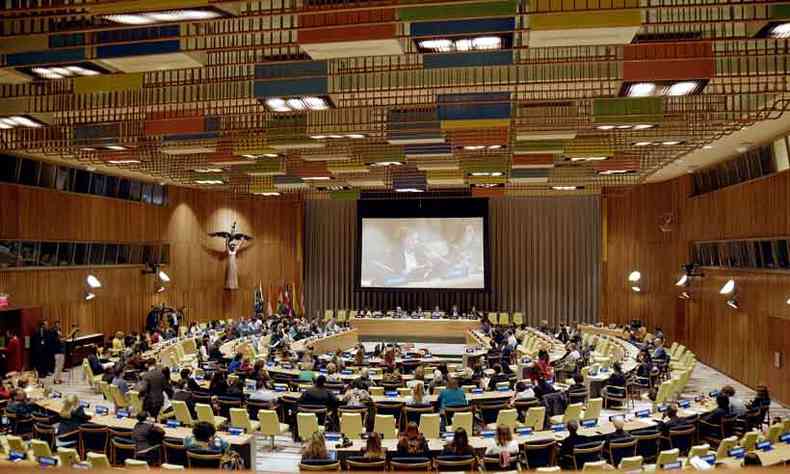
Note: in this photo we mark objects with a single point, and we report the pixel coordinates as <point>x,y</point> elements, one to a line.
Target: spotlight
<point>92,281</point>
<point>161,289</point>
<point>447,45</point>
<point>634,276</point>
<point>683,281</point>
<point>642,89</point>
<point>685,295</point>
<point>780,31</point>
<point>728,287</point>
<point>733,303</point>
<point>89,295</point>
<point>164,277</point>
<point>636,289</point>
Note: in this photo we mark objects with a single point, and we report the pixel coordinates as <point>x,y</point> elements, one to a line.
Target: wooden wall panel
<point>739,343</point>
<point>197,267</point>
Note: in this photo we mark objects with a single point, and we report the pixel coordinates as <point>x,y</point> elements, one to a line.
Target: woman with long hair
<point>417,395</point>
<point>72,415</point>
<point>459,446</point>
<point>315,449</point>
<point>373,448</point>
<point>412,442</point>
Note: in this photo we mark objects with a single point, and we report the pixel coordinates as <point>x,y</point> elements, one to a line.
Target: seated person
<point>417,397</point>
<point>572,441</point>
<point>737,406</point>
<point>93,361</point>
<point>357,394</point>
<point>314,451</point>
<point>262,393</point>
<point>236,390</point>
<point>219,384</point>
<point>72,415</point>
<point>147,435</point>
<point>203,438</point>
<point>619,435</point>
<point>119,381</point>
<point>617,379</point>
<point>673,421</point>
<point>412,443</point>
<point>452,395</point>
<point>524,391</point>
<point>235,364</point>
<point>714,418</point>
<point>307,374</point>
<point>543,388</point>
<point>459,446</point>
<point>543,365</point>
<point>187,382</point>
<point>578,384</point>
<point>762,399</point>
<point>318,395</point>
<point>373,449</point>
<point>503,446</point>
<point>392,376</point>
<point>118,343</point>
<point>331,373</point>
<point>20,406</point>
<point>498,377</point>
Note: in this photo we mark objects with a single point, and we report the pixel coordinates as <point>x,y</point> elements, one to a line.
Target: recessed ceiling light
<point>728,287</point>
<point>409,190</point>
<point>682,88</point>
<point>643,126</point>
<point>564,188</point>
<point>671,142</point>
<point>386,163</point>
<point>115,147</point>
<point>123,162</point>
<point>642,89</point>
<point>707,147</point>
<point>207,170</point>
<point>487,173</point>
<point>316,178</point>
<point>209,181</point>
<point>267,193</point>
<point>165,16</point>
<point>623,127</point>
<point>474,147</point>
<point>19,121</point>
<point>605,127</point>
<point>487,185</point>
<point>296,104</point>
<point>643,143</point>
<point>781,31</point>
<point>355,135</point>
<point>495,147</point>
<point>271,155</point>
<point>445,45</point>
<point>87,148</point>
<point>608,172</point>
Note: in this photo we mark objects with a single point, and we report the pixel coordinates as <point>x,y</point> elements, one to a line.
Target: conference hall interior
<point>395,235</point>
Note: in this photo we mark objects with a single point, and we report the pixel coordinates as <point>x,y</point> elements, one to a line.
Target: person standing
<point>59,350</point>
<point>39,348</point>
<point>155,385</point>
<point>13,351</point>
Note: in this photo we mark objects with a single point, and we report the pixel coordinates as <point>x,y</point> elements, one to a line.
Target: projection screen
<point>423,253</point>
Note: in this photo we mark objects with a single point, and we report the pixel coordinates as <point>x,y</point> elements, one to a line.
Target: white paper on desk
<point>700,464</point>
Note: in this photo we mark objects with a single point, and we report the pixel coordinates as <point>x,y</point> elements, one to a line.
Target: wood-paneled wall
<point>739,343</point>
<point>197,262</point>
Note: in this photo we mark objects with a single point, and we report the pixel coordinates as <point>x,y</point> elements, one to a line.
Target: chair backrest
<point>94,438</point>
<point>376,391</point>
<point>587,453</point>
<point>518,318</point>
<point>594,466</point>
<point>118,397</point>
<point>306,425</point>
<point>175,451</point>
<point>203,459</point>
<point>364,464</point>
<point>410,464</point>
<point>463,420</point>
<point>351,425</point>
<point>508,418</point>
<point>135,402</point>
<point>68,456</point>
<point>181,410</point>
<point>749,440</point>
<point>631,463</point>
<point>647,444</point>
<point>328,314</point>
<point>455,463</point>
<point>620,450</point>
<point>667,457</point>
<point>204,412</point>
<point>593,411</point>
<point>429,425</point>
<point>725,445</point>
<point>536,418</point>
<point>40,448</point>
<point>699,450</point>
<point>572,413</point>
<point>98,461</point>
<point>774,431</point>
<point>385,424</point>
<point>682,438</point>
<point>320,466</point>
<point>270,422</point>
<point>240,418</point>
<point>539,453</point>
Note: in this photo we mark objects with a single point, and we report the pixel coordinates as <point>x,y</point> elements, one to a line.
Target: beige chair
<point>68,457</point>
<point>630,464</point>
<point>40,448</point>
<point>593,411</point>
<point>98,461</point>
<point>93,380</point>
<point>306,425</point>
<point>698,451</point>
<point>518,318</point>
<point>172,467</point>
<point>535,419</point>
<point>749,441</point>
<point>205,413</point>
<point>328,315</point>
<point>135,402</point>
<point>548,469</point>
<point>240,418</point>
<point>182,413</point>
<point>667,457</point>
<point>774,432</point>
<point>507,418</point>
<point>595,466</point>
<point>572,413</point>
<point>462,419</point>
<point>725,446</point>
<point>429,425</point>
<point>16,443</point>
<point>118,398</point>
<point>351,425</point>
<point>504,319</point>
<point>385,424</point>
<point>270,424</point>
<point>136,465</point>
<point>376,391</point>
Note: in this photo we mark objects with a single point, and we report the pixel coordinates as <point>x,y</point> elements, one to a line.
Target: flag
<point>287,299</point>
<point>257,304</point>
<point>269,308</point>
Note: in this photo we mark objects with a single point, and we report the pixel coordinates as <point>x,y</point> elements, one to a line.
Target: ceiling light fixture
<point>123,162</point>
<point>671,142</point>
<point>267,193</point>
<point>682,88</point>
<point>733,303</point>
<point>115,147</point>
<point>207,170</point>
<point>684,295</point>
<point>662,88</point>
<point>605,127</point>
<point>487,173</point>
<point>643,143</point>
<point>15,121</point>
<point>92,281</point>
<point>636,289</point>
<point>209,181</point>
<point>728,287</point>
<point>165,16</point>
<point>642,89</point>
<point>477,43</point>
<point>409,190</point>
<point>564,188</point>
<point>634,276</point>
<point>316,178</point>
<point>89,295</point>
<point>386,163</point>
<point>780,31</point>
<point>297,104</point>
<point>610,172</point>
<point>683,281</point>
<point>62,72</point>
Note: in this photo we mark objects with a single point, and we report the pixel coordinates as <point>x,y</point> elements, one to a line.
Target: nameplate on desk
<point>280,388</point>
<point>122,414</point>
<point>661,408</point>
<point>764,446</point>
<point>642,413</point>
<point>558,427</point>
<point>321,371</point>
<point>503,389</point>
<point>488,434</point>
<point>16,456</point>
<point>236,431</point>
<point>199,378</point>
<point>526,431</point>
<point>390,394</point>
<point>57,395</point>
<point>785,438</point>
<point>477,390</point>
<point>684,403</point>
<point>347,372</point>
<point>101,410</point>
<point>288,366</point>
<point>173,423</point>
<point>589,423</point>
<point>672,465</point>
<point>84,404</point>
<point>737,453</point>
<point>47,461</point>
<point>713,393</point>
<point>448,435</point>
<point>333,436</point>
<point>604,370</point>
<point>709,458</point>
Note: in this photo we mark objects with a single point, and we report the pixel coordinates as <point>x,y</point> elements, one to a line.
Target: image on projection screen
<point>422,253</point>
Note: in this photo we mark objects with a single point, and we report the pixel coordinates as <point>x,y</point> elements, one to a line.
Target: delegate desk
<point>413,328</point>
<point>340,341</point>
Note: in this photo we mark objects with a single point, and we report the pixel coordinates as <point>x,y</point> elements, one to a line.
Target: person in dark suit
<point>617,378</point>
<point>147,435</point>
<point>619,435</point>
<point>673,421</point>
<point>40,350</point>
<point>318,395</point>
<point>714,418</point>
<point>155,385</point>
<point>573,440</point>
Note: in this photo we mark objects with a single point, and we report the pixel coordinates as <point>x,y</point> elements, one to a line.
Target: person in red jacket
<point>13,351</point>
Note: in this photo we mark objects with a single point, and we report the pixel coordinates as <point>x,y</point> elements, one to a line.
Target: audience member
<point>452,395</point>
<point>319,395</point>
<point>568,444</point>
<point>412,443</point>
<point>459,446</point>
<point>203,438</point>
<point>373,449</point>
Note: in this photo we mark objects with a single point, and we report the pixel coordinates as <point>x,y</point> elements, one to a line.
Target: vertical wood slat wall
<point>544,258</point>
<point>739,343</point>
<point>197,262</point>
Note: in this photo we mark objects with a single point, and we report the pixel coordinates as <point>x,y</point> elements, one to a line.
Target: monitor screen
<point>444,252</point>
